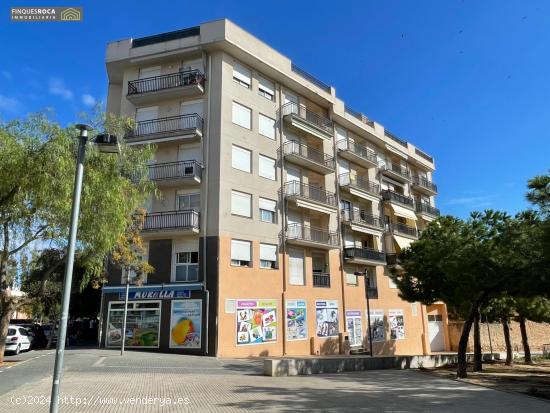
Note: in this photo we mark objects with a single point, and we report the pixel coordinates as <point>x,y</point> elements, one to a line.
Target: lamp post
<point>125,311</point>
<point>105,143</point>
<point>366,274</point>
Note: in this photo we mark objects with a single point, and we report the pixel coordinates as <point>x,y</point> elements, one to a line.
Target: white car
<point>17,340</point>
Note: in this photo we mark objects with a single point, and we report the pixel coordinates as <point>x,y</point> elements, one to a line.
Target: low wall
<point>538,334</point>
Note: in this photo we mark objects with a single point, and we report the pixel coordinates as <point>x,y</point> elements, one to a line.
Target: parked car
<point>17,340</point>
<point>36,334</point>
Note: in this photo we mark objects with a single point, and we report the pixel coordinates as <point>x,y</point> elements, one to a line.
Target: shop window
<point>142,324</point>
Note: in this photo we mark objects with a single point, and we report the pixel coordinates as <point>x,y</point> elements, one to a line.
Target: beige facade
<point>273,194</point>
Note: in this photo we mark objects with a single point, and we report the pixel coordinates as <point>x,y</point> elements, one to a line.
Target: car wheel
<point>18,349</point>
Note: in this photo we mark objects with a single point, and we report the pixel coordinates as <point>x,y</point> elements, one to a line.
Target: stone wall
<point>538,334</point>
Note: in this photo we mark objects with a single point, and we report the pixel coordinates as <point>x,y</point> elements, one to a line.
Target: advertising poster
<point>354,327</point>
<point>326,317</point>
<point>296,320</point>
<point>256,321</point>
<point>378,330</point>
<point>397,324</point>
<point>185,324</point>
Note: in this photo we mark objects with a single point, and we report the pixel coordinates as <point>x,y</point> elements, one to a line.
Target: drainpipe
<point>283,216</point>
<point>205,143</point>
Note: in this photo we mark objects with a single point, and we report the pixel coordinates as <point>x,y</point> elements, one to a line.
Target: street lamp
<point>107,144</point>
<point>366,274</point>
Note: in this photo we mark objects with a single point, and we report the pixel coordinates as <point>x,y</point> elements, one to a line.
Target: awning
<point>402,241</point>
<point>403,212</point>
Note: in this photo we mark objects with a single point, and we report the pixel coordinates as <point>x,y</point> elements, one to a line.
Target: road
<point>94,380</point>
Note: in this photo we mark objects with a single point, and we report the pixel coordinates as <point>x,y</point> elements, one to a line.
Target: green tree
<point>536,309</point>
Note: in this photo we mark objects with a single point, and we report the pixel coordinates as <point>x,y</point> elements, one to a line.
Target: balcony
<point>366,256</point>
<point>308,157</point>
<point>397,198</point>
<point>426,211</point>
<point>185,128</point>
<point>362,222</point>
<point>304,235</point>
<point>397,172</point>
<point>158,224</point>
<point>403,229</point>
<point>360,186</point>
<point>422,184</point>
<point>357,153</point>
<point>306,120</point>
<point>321,279</point>
<point>174,85</point>
<point>170,174</point>
<point>310,197</point>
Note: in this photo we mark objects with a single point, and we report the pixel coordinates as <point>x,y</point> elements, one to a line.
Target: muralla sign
<point>156,294</point>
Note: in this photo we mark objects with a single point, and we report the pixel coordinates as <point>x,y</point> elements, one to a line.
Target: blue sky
<point>466,81</point>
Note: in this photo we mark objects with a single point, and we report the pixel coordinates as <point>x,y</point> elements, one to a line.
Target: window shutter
<point>241,73</point>
<point>240,203</point>
<point>146,72</point>
<point>296,264</point>
<point>240,159</point>
<point>267,167</point>
<point>268,204</point>
<point>268,252</point>
<point>266,86</point>
<point>240,250</point>
<point>241,115</point>
<point>266,126</point>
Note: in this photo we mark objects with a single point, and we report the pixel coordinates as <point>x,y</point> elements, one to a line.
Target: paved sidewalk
<point>104,381</point>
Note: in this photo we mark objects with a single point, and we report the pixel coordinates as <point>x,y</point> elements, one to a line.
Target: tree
<point>536,309</point>
<point>37,163</point>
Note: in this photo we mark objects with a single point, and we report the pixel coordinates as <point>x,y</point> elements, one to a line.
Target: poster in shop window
<point>256,322</point>
<point>397,324</point>
<point>378,330</point>
<point>185,324</point>
<point>296,320</point>
<point>326,317</point>
<point>354,327</point>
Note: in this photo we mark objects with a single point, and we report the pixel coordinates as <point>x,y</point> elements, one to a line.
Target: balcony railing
<point>169,125</point>
<point>163,82</point>
<point>306,233</point>
<point>427,209</point>
<point>398,228</point>
<point>360,182</point>
<point>423,155</point>
<point>358,216</point>
<point>311,192</point>
<point>357,149</point>
<point>364,253</point>
<point>424,182</point>
<point>319,121</point>
<point>315,155</point>
<point>372,293</point>
<point>395,138</point>
<point>397,169</point>
<point>321,279</point>
<point>171,220</point>
<point>175,170</point>
<point>388,195</point>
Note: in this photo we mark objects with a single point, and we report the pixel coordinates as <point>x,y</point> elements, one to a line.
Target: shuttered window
<point>241,75</point>
<point>267,210</point>
<point>266,88</point>
<point>268,256</point>
<point>296,267</point>
<point>241,115</point>
<point>240,253</point>
<point>266,126</point>
<point>241,159</point>
<point>267,168</point>
<point>241,204</point>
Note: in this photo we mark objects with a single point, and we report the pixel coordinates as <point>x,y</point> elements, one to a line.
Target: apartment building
<point>274,194</point>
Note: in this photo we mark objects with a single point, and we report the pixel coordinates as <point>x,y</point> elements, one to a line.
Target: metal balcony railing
<point>397,169</point>
<point>175,170</point>
<point>395,138</point>
<point>358,149</point>
<point>312,192</point>
<point>306,233</point>
<point>423,155</point>
<point>311,117</point>
<point>399,228</point>
<point>315,155</point>
<point>424,182</point>
<point>157,221</point>
<point>358,216</point>
<point>388,195</point>
<point>427,209</point>
<point>364,253</point>
<point>321,279</point>
<point>163,82</point>
<point>360,182</point>
<point>171,124</point>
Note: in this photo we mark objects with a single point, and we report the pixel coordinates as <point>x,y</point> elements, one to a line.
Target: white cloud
<point>88,100</point>
<point>7,74</point>
<point>471,201</point>
<point>10,105</point>
<point>58,88</point>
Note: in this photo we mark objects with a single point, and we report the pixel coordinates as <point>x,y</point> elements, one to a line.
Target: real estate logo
<point>45,14</point>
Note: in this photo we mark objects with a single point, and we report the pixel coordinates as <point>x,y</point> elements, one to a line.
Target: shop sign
<point>150,294</point>
<point>256,321</point>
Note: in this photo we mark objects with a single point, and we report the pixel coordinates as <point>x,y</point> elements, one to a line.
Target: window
<point>241,204</point>
<point>241,159</point>
<point>268,256</point>
<point>241,75</point>
<point>266,126</point>
<point>189,201</point>
<point>266,88</point>
<point>187,266</point>
<point>240,253</point>
<point>241,115</point>
<point>267,210</point>
<point>296,266</point>
<point>267,168</point>
<point>146,72</point>
<point>351,278</point>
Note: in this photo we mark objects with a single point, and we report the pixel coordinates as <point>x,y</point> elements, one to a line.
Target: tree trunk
<point>525,340</point>
<point>463,343</point>
<point>506,330</point>
<point>478,364</point>
<point>6,310</point>
<point>52,333</point>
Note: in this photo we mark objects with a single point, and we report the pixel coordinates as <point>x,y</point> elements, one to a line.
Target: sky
<point>466,81</point>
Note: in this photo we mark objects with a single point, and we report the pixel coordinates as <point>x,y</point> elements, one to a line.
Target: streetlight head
<point>81,127</point>
<point>357,273</point>
<point>107,143</point>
